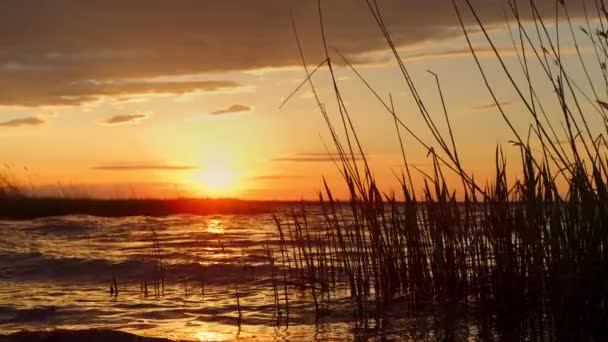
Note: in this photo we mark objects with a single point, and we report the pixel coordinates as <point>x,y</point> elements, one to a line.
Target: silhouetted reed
<point>525,258</point>
<point>114,287</point>
<point>158,270</point>
<point>238,304</point>
<point>9,186</point>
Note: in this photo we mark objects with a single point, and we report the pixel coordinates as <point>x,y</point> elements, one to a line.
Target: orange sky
<point>164,99</point>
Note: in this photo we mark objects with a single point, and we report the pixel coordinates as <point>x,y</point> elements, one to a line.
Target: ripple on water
<point>56,272</point>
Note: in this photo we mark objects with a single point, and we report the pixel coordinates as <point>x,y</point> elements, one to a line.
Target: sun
<point>217,179</point>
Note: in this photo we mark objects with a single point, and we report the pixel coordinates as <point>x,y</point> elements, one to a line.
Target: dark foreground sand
<point>92,335</point>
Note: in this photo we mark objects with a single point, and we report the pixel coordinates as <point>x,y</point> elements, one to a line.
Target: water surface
<point>56,272</point>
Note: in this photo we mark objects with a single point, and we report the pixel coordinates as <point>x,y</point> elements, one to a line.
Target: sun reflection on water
<point>208,336</point>
<point>215,226</point>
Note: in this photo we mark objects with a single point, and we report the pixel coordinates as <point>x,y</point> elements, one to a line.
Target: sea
<point>83,272</point>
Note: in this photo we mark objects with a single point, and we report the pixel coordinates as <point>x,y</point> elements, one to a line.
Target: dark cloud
<point>29,121</point>
<point>237,108</point>
<point>124,119</point>
<point>142,167</point>
<point>66,52</point>
<point>312,158</point>
<point>27,92</point>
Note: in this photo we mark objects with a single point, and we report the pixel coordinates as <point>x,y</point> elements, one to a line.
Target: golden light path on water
<point>208,336</point>
<point>215,226</point>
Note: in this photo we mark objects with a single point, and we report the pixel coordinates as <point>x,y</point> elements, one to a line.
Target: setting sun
<point>217,180</point>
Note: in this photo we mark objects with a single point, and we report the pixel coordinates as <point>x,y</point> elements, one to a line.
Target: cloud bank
<point>69,52</point>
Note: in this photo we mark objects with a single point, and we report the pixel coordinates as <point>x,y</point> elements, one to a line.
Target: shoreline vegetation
<point>523,259</point>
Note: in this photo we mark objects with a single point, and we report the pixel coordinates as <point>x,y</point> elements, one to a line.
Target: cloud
<point>124,119</point>
<point>237,108</point>
<point>492,105</point>
<point>312,158</point>
<point>29,121</point>
<point>482,52</point>
<point>142,167</point>
<point>452,53</point>
<point>27,92</point>
<point>276,177</point>
<point>69,52</point>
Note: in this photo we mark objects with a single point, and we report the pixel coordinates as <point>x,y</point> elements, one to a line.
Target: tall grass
<point>527,259</point>
<point>9,186</point>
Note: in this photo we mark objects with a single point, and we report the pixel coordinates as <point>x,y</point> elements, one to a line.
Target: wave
<point>40,267</point>
<point>27,315</point>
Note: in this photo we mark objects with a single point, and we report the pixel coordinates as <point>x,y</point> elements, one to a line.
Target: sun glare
<point>217,179</point>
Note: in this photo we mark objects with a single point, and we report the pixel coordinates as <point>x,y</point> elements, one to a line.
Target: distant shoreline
<point>29,208</point>
<point>23,208</point>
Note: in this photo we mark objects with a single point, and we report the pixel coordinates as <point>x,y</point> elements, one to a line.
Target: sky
<point>154,98</point>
